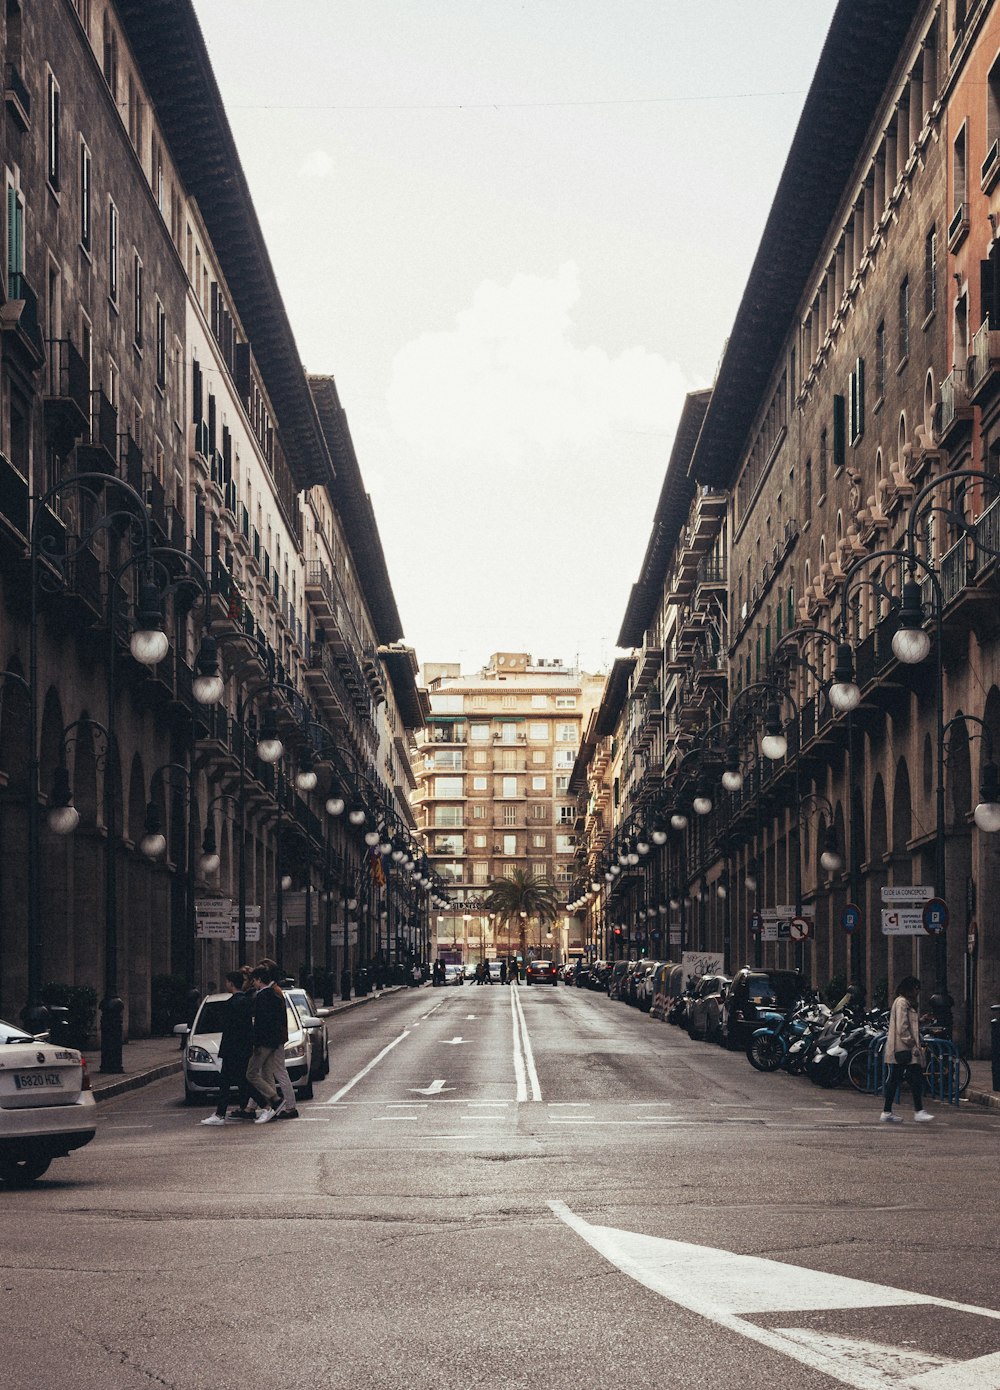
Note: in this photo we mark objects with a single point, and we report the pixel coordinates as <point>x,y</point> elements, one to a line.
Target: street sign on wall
<point>906,893</point>
<point>902,921</point>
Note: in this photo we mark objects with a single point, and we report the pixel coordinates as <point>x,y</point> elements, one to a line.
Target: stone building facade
<point>860,370</point>
<point>158,429</point>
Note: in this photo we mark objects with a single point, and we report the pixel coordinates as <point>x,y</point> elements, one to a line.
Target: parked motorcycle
<point>786,1040</point>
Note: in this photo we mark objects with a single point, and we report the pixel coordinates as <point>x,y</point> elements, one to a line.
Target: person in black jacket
<point>235,1046</point>
<point>270,1033</point>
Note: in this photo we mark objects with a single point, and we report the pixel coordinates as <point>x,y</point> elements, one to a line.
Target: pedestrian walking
<point>235,1047</point>
<point>503,972</point>
<point>903,1053</point>
<point>270,1033</point>
<point>281,1078</point>
<point>512,970</point>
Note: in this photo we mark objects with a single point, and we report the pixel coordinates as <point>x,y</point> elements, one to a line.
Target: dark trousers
<point>234,1078</point>
<point>895,1076</point>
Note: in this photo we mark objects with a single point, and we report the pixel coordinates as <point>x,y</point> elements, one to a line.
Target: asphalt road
<point>512,1188</point>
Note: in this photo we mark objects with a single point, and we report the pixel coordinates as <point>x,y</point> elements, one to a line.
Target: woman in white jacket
<point>903,1054</point>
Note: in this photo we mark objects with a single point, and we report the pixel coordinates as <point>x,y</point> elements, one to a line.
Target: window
<point>448,815</point>
<point>137,314</point>
<point>447,786</point>
<point>447,758</point>
<point>565,702</point>
<point>508,760</point>
<point>480,784</point>
<point>807,486</point>
<point>562,783</point>
<point>449,844</point>
<point>904,321</point>
<point>510,844</point>
<point>85,204</point>
<point>481,869</point>
<point>567,815</point>
<point>930,272</point>
<point>565,844</point>
<point>839,432</point>
<point>508,786</point>
<point>538,731</point>
<point>538,784</point>
<point>508,701</point>
<point>161,346</point>
<point>539,840</point>
<point>538,755</point>
<point>880,361</point>
<point>538,811</point>
<point>446,704</point>
<point>566,733</point>
<point>565,757</point>
<point>479,701</point>
<point>110,55</point>
<point>824,457</point>
<point>52,131</point>
<point>156,170</point>
<point>959,171</point>
<point>539,702</point>
<point>858,400</point>
<point>479,811</point>
<point>508,733</point>
<point>112,253</point>
<point>509,815</point>
<point>15,236</point>
<point>134,115</point>
<point>479,733</point>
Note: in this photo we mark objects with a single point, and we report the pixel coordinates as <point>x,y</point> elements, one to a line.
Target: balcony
<point>17,97</point>
<point>958,227</point>
<point>983,364</point>
<point>100,455</point>
<point>325,683</point>
<point>13,502</point>
<point>19,318</point>
<point>956,408</point>
<point>67,398</point>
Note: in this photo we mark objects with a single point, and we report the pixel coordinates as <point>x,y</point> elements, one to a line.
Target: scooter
<point>784,1039</point>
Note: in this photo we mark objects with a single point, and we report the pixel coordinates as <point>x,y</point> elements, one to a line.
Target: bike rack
<point>942,1070</point>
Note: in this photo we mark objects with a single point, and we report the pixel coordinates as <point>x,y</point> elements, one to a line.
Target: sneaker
<point>263,1116</point>
<point>888,1118</point>
<point>289,1115</point>
<point>241,1114</point>
<point>214,1120</point>
<point>277,1109</point>
<point>923,1115</point>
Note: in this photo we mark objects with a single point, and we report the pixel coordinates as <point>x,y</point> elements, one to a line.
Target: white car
<point>46,1105</point>
<point>454,975</point>
<point>201,1065</point>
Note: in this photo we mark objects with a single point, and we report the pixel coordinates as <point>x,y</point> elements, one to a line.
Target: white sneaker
<point>888,1118</point>
<point>214,1120</point>
<point>923,1115</point>
<point>263,1116</point>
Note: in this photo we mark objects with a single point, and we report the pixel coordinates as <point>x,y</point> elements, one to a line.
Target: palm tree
<point>521,897</point>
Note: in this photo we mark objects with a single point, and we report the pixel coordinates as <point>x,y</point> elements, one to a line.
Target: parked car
<point>494,969</point>
<point>200,1059</point>
<point>454,975</point>
<point>660,986</point>
<point>630,985</point>
<point>645,987</point>
<point>313,1022</point>
<point>541,972</point>
<point>704,1012</point>
<point>46,1105</point>
<point>598,976</point>
<point>777,991</point>
<point>468,971</point>
<point>616,977</point>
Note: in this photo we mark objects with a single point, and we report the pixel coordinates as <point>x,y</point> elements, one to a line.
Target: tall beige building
<point>492,795</point>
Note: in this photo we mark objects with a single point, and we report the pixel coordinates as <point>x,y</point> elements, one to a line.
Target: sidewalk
<point>980,1090</point>
<point>148,1059</point>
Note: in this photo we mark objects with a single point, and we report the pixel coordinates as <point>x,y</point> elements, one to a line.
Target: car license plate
<point>26,1080</point>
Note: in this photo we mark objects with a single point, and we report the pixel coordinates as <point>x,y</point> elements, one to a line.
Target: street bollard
<point>112,1034</point>
<point>995,1044</point>
<point>345,985</point>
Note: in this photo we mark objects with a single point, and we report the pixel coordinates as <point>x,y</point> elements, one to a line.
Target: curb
<point>988,1100</point>
<point>110,1089</point>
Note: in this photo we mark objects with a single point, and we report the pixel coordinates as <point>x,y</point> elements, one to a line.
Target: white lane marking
<point>396,1119</point>
<point>586,1120</point>
<point>529,1056</point>
<point>520,1075</point>
<point>452,1042</point>
<point>366,1069</point>
<point>493,1103</point>
<point>569,1104</point>
<point>471,1015</point>
<point>728,1288</point>
<point>408,1104</point>
<point>433,1089</point>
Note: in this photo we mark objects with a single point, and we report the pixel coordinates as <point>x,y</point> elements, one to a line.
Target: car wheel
<point>190,1097</point>
<point>18,1172</point>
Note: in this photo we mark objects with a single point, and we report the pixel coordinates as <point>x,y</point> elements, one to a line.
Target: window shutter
<point>839,441</point>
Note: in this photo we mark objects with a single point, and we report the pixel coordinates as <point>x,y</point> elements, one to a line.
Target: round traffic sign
<point>756,923</point>
<point>851,917</point>
<point>935,916</point>
<point>799,928</point>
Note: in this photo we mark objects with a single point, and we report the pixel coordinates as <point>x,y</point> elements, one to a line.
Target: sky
<point>516,233</point>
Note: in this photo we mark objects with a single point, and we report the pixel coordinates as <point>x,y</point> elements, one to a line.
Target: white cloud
<point>507,383</point>
<point>317,165</point>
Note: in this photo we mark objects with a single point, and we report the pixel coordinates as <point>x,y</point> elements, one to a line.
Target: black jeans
<point>895,1075</point>
<point>234,1078</point>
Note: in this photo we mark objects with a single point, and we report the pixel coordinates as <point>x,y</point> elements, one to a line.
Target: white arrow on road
<point>730,1289</point>
<point>435,1088</point>
<point>450,1042</point>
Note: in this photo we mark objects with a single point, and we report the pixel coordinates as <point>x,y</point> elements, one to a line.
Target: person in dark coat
<point>235,1046</point>
<point>270,1033</point>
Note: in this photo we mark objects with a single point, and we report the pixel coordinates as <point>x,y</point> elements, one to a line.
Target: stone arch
<point>959,770</point>
<point>902,436</point>
<point>902,813</point>
<point>929,401</point>
<point>879,470</point>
